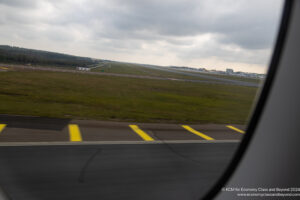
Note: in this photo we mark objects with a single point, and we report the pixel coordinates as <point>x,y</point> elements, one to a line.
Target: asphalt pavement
<point>48,158</point>
<point>113,171</point>
<point>20,129</point>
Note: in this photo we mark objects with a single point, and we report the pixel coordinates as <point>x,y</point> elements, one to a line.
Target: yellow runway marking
<point>5,68</point>
<point>190,129</point>
<point>236,129</point>
<point>141,133</point>
<point>75,135</point>
<point>2,126</point>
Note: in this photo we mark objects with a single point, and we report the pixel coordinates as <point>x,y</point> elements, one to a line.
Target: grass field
<point>239,78</point>
<point>84,96</point>
<point>135,69</point>
<point>231,77</point>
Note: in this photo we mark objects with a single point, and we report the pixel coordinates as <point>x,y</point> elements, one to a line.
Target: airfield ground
<point>114,98</point>
<point>85,135</point>
<point>135,69</point>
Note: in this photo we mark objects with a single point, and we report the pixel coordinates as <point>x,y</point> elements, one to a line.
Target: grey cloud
<point>121,25</point>
<point>256,56</point>
<point>248,25</point>
<point>19,3</point>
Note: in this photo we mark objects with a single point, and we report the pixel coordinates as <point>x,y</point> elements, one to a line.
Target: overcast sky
<point>216,34</point>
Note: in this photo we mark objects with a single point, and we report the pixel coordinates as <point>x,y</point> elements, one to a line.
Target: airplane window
<point>127,99</point>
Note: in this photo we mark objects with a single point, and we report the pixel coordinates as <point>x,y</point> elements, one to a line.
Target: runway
<point>24,129</point>
<point>40,159</point>
<point>113,171</point>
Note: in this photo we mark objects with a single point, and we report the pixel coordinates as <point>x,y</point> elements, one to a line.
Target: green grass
<point>85,96</point>
<point>239,78</point>
<point>123,68</point>
<point>135,69</point>
<point>231,77</point>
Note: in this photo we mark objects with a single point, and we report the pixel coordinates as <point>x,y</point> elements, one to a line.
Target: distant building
<point>83,68</point>
<point>229,71</point>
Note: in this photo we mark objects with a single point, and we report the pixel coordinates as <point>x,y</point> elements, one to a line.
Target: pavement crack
<point>83,170</point>
<point>174,151</point>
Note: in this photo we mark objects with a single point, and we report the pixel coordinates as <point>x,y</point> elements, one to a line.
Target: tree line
<point>9,54</point>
